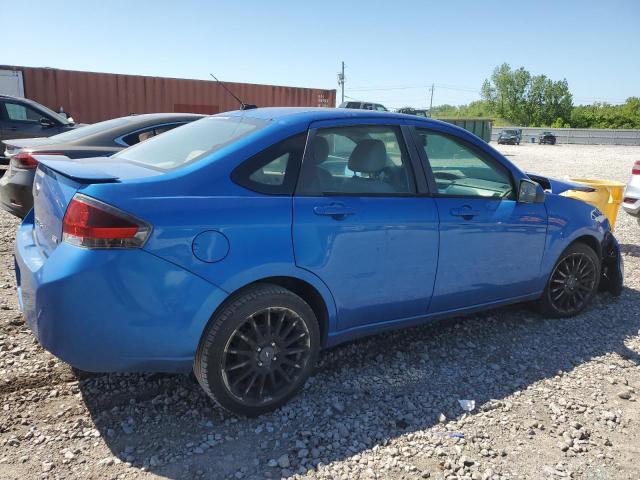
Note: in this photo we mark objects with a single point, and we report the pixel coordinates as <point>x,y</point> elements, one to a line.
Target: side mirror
<point>46,122</point>
<point>530,192</point>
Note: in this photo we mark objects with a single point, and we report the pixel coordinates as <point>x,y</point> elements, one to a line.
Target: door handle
<point>335,210</point>
<point>12,129</point>
<point>465,212</point>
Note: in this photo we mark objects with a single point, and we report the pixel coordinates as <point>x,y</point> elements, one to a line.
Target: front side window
<point>273,171</point>
<point>460,171</point>
<point>191,142</point>
<point>360,160</point>
<point>21,113</point>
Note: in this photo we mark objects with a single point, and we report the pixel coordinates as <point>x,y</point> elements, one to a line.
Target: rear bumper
<point>632,192</point>
<point>612,266</point>
<point>16,195</point>
<point>112,310</point>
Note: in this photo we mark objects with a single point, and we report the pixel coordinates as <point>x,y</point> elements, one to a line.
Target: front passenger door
<point>491,246</point>
<point>22,121</point>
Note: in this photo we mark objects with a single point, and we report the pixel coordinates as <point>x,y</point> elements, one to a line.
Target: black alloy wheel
<point>258,350</point>
<point>265,355</point>
<point>573,282</point>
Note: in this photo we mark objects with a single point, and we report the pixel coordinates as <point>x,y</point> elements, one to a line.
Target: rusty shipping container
<point>91,97</point>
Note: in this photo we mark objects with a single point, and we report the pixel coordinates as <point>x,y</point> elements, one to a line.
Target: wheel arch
<point>590,241</point>
<point>322,306</point>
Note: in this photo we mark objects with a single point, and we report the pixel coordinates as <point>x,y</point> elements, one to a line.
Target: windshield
<point>511,132</point>
<point>190,142</point>
<point>88,130</point>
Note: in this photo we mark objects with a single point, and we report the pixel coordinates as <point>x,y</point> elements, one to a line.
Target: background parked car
<point>547,137</point>
<point>101,139</point>
<point>420,112</point>
<point>363,106</point>
<point>24,118</point>
<point>631,202</point>
<point>510,137</point>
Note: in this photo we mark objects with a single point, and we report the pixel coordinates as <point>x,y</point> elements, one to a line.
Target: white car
<point>631,202</point>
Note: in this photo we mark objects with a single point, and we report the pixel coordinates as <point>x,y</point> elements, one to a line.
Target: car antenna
<point>243,106</point>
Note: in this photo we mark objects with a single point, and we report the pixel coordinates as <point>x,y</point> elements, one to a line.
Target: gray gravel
<point>553,399</point>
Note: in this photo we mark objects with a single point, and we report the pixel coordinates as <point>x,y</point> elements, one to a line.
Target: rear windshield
<point>190,142</point>
<point>81,132</point>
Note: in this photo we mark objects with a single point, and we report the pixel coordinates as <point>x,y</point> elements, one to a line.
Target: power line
<point>412,87</point>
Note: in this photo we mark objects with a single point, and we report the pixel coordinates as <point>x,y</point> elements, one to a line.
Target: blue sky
<point>393,50</point>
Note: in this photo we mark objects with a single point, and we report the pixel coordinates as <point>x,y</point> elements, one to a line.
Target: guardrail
<point>584,136</point>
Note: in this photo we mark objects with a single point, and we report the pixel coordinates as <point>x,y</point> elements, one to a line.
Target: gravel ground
<point>553,399</point>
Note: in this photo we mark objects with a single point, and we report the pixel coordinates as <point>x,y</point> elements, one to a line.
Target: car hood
<point>556,186</point>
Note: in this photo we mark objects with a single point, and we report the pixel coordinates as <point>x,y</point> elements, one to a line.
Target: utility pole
<point>431,101</point>
<point>341,81</point>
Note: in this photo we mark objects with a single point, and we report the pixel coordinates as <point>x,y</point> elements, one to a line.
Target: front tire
<point>258,350</point>
<point>573,282</point>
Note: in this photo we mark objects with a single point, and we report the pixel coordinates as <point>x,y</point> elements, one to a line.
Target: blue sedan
<point>241,244</point>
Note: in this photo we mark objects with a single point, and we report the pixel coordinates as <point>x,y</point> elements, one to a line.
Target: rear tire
<point>573,282</point>
<point>258,350</point>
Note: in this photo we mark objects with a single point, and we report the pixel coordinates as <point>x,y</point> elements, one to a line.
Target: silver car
<point>631,202</point>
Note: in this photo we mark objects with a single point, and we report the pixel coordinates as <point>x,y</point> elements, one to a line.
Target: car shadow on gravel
<point>364,393</point>
<point>630,249</point>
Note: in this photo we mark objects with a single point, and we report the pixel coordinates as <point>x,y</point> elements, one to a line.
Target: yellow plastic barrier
<point>607,197</point>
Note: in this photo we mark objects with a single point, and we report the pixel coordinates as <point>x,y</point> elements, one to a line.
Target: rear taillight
<point>91,223</point>
<point>25,160</point>
<point>636,168</point>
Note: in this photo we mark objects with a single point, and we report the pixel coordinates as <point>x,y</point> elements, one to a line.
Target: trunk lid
<point>12,147</point>
<point>58,178</point>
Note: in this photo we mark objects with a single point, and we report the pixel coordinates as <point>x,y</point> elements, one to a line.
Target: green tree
<point>523,99</point>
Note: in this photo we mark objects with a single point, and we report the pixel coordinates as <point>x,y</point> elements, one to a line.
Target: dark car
<point>510,137</point>
<point>547,137</point>
<point>101,139</point>
<point>24,118</point>
<point>420,112</point>
<point>358,105</point>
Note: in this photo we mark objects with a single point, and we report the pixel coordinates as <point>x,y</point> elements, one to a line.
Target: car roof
<point>20,99</point>
<point>314,114</point>
<point>152,117</point>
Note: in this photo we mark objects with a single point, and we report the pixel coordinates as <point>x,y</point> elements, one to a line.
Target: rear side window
<point>191,142</point>
<point>353,105</point>
<point>273,171</point>
<point>147,133</point>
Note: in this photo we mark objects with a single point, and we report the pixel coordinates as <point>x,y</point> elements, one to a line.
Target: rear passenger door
<point>362,222</point>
